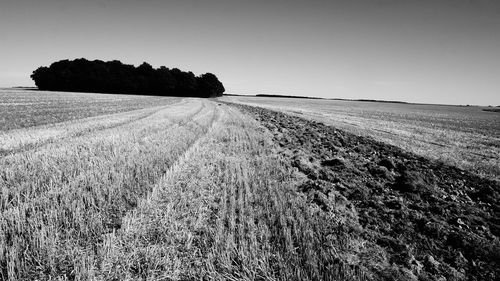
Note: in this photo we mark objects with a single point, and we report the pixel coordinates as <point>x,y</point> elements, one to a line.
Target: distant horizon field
<point>160,189</point>
<point>119,187</point>
<point>466,137</point>
<point>492,105</point>
<point>26,108</point>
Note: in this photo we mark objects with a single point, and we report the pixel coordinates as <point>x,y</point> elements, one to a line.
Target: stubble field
<point>463,136</point>
<point>110,187</point>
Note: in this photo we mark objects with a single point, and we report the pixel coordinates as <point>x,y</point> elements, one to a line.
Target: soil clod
<point>426,220</point>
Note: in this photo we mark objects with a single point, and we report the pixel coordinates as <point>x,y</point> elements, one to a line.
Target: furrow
<point>54,231</point>
<point>21,140</point>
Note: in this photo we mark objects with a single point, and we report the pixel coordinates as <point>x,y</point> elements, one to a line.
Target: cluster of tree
<point>97,76</point>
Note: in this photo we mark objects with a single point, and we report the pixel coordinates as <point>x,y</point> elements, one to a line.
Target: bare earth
<point>116,187</point>
<point>465,137</point>
<point>408,217</point>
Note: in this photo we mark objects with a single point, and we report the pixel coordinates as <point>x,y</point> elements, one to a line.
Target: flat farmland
<point>466,137</point>
<point>118,187</point>
<point>128,188</point>
<point>25,108</point>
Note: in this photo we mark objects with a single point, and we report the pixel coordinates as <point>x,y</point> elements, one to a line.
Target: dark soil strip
<point>433,220</point>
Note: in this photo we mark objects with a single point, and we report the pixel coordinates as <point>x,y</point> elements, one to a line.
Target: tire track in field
<point>190,124</point>
<point>259,229</point>
<point>408,209</point>
<point>263,229</point>
<point>117,248</point>
<point>224,211</point>
<point>186,121</point>
<point>206,116</point>
<point>173,199</point>
<point>85,131</point>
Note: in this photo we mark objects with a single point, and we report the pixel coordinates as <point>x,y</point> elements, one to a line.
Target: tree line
<point>81,75</point>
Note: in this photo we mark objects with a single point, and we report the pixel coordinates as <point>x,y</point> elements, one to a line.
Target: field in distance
<point>119,187</point>
<point>27,108</point>
<point>466,137</point>
<point>110,187</point>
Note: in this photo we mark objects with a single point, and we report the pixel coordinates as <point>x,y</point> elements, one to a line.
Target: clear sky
<point>430,51</point>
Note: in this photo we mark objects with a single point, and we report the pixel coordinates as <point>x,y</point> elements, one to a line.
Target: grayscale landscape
<point>250,140</point>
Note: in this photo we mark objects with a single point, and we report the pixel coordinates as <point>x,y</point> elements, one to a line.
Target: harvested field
<point>417,218</point>
<point>226,211</point>
<point>190,190</point>
<point>25,108</point>
<point>463,136</point>
<point>197,189</point>
<point>59,198</point>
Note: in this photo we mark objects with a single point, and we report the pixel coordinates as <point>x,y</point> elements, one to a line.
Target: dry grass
<point>29,138</point>
<point>466,137</point>
<point>58,200</point>
<point>185,189</point>
<point>24,108</point>
<point>228,210</point>
<point>192,190</point>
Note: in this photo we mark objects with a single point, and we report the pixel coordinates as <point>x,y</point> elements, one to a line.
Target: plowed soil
<point>420,219</point>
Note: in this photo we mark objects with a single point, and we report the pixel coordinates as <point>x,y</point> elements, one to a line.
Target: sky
<point>425,51</point>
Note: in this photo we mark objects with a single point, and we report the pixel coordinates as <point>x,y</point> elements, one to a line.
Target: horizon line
<point>312,97</point>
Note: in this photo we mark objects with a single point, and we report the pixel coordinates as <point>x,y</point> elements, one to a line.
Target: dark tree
<point>97,76</point>
<point>209,86</point>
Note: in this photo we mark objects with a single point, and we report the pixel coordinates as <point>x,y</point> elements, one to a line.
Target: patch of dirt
<point>434,221</point>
